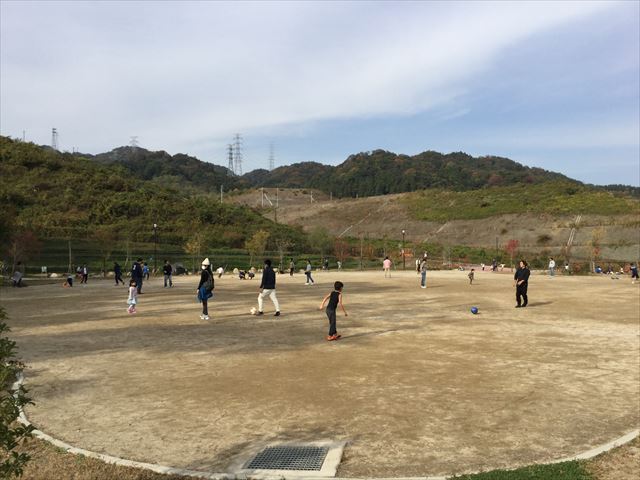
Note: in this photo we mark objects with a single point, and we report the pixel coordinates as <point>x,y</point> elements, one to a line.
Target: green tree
<point>320,240</point>
<point>12,399</point>
<point>256,245</point>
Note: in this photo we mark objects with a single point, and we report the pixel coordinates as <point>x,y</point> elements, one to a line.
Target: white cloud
<point>180,73</point>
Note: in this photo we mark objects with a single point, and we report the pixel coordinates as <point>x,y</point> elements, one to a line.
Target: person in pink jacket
<point>386,266</point>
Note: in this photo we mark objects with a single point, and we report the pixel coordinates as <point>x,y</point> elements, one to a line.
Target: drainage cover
<point>289,458</point>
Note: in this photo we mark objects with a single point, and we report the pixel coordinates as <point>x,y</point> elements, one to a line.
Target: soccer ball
<point>253,311</point>
<point>474,310</point>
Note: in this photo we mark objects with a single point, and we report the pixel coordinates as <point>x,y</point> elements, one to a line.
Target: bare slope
<point>388,215</point>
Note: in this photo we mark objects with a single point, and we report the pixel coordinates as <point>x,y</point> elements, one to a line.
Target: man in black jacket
<point>521,282</point>
<point>136,274</point>
<point>167,269</point>
<point>268,288</point>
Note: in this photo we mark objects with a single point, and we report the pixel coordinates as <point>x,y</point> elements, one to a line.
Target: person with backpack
<point>205,287</point>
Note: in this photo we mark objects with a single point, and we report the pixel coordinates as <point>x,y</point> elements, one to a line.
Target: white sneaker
<point>201,317</point>
<point>206,317</point>
<point>422,286</point>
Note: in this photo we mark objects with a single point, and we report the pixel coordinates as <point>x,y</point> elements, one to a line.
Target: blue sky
<point>549,84</point>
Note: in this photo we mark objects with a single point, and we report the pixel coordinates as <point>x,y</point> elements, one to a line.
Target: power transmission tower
<point>133,141</point>
<point>231,168</point>
<point>272,158</point>
<point>237,154</point>
<point>54,138</point>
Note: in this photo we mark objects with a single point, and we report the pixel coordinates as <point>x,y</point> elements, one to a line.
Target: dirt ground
<point>418,385</point>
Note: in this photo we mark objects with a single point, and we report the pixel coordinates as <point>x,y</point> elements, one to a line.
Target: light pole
<point>404,263</point>
<point>155,248</point>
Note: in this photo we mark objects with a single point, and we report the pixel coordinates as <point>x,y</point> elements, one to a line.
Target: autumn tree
<point>23,246</point>
<point>512,248</point>
<point>256,245</point>
<point>194,246</point>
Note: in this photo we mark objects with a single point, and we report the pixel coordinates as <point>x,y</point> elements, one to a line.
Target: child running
<point>132,301</point>
<point>335,299</point>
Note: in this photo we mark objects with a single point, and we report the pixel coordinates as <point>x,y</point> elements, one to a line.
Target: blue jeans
<point>423,279</point>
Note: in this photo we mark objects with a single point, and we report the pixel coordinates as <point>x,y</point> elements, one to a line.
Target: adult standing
<point>292,267</point>
<point>423,272</point>
<point>117,272</point>
<point>307,272</point>
<point>136,274</point>
<point>386,266</point>
<point>167,270</point>
<point>552,267</point>
<point>521,282</point>
<point>85,273</point>
<point>494,265</point>
<point>205,287</point>
<point>268,288</point>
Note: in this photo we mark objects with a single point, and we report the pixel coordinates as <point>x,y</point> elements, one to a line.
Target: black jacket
<point>522,274</point>
<point>204,276</point>
<point>167,269</point>
<point>268,279</point>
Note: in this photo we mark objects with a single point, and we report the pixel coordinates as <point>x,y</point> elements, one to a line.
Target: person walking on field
<point>136,274</point>
<point>335,299</point>
<point>85,274</point>
<point>292,266</point>
<point>386,266</point>
<point>521,282</point>
<point>167,269</point>
<point>268,288</point>
<point>634,273</point>
<point>307,272</point>
<point>117,272</point>
<point>423,272</point>
<point>145,271</point>
<point>132,300</point>
<point>205,288</point>
<point>552,267</point>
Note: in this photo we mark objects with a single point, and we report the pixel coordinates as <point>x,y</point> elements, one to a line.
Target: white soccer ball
<point>253,311</point>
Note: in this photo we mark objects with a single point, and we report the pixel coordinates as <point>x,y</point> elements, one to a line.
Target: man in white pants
<point>268,288</point>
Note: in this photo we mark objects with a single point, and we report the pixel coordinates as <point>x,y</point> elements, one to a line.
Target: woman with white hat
<point>205,287</point>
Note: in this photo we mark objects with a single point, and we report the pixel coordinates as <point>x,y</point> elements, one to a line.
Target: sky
<point>554,85</point>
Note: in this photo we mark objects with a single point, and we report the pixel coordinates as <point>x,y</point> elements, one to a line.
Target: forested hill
<point>61,195</point>
<point>177,170</point>
<point>381,172</point>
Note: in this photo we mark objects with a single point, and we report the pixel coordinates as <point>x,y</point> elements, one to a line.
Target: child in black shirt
<point>335,299</point>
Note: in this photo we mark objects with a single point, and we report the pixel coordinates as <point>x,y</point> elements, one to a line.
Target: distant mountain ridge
<point>364,174</point>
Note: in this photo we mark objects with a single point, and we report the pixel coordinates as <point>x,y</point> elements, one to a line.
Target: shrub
<point>12,434</point>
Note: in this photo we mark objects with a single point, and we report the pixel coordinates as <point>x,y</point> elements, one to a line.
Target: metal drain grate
<point>289,458</point>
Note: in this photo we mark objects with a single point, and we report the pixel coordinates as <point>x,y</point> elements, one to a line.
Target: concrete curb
<point>240,476</point>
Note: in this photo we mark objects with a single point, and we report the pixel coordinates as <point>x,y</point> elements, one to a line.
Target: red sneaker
<point>331,338</point>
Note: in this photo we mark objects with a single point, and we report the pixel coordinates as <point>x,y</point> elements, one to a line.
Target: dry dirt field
<point>418,385</point>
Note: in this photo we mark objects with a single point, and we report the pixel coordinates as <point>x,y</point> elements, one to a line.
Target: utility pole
<point>361,249</point>
<point>221,189</point>
<point>404,257</point>
<point>155,248</point>
<point>275,214</point>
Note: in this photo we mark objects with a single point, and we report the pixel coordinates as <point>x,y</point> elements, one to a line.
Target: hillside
<point>60,195</point>
<point>381,172</point>
<point>179,171</point>
<point>478,218</point>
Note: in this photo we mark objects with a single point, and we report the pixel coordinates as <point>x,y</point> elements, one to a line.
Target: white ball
<point>253,311</point>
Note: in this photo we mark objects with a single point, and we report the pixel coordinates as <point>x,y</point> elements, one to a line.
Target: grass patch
<point>559,471</point>
<point>556,198</point>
